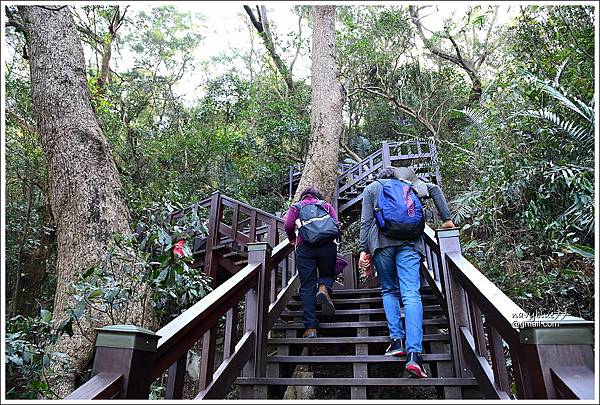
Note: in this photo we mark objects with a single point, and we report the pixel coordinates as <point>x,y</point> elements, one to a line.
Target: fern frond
<point>581,135</point>
<point>477,118</point>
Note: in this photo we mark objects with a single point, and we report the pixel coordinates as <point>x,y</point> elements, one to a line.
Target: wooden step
<point>235,253</point>
<point>349,312</point>
<point>440,337</point>
<point>449,381</point>
<point>364,324</point>
<point>360,291</point>
<point>426,308</point>
<point>356,359</point>
<point>372,300</point>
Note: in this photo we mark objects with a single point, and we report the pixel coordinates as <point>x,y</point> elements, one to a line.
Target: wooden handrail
<point>195,321</point>
<point>498,308</point>
<point>100,386</point>
<point>481,317</point>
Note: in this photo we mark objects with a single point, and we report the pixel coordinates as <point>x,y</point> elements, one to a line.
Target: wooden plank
<point>235,217</point>
<point>349,340</point>
<point>182,332</point>
<point>480,367</point>
<point>362,291</point>
<point>374,300</point>
<point>252,232</point>
<point>228,371</point>
<point>281,301</point>
<point>100,386</point>
<point>573,382</point>
<point>175,378</point>
<point>350,271</point>
<point>498,359</point>
<point>499,310</point>
<point>360,369</point>
<point>207,357</point>
<point>430,309</point>
<point>368,324</point>
<point>385,154</point>
<point>231,321</point>
<point>355,359</point>
<point>478,330</point>
<point>360,381</point>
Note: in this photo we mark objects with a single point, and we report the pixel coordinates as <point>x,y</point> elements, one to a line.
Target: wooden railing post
<point>568,345</point>
<point>456,300</point>
<point>385,154</point>
<point>128,350</point>
<point>256,318</point>
<point>207,359</point>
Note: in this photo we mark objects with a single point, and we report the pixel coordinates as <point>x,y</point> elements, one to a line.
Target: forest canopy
<point>191,100</point>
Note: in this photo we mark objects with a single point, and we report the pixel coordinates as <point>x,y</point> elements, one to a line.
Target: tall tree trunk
<point>84,185</point>
<point>320,169</point>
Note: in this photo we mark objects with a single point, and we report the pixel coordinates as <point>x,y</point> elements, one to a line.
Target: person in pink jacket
<point>315,262</point>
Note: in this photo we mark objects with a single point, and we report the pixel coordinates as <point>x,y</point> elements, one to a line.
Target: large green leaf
<point>584,251</point>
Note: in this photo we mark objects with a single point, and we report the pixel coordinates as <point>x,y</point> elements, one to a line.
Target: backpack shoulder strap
<point>376,196</point>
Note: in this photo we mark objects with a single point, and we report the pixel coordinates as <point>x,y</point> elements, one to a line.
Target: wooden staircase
<point>349,352</point>
<point>475,344</point>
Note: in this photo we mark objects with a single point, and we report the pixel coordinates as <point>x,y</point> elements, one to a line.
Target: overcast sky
<point>225,29</point>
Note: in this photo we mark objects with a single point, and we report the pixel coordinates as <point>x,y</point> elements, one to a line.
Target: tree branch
<point>21,122</point>
<point>299,43</point>
<point>403,107</point>
<point>253,19</point>
<point>265,33</point>
<point>350,152</point>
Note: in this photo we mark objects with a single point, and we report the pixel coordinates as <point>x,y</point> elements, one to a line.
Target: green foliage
<point>145,267</point>
<point>518,166</point>
<point>28,358</point>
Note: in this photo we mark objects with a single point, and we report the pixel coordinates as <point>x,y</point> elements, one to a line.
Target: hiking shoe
<point>310,333</point>
<point>396,348</point>
<point>326,304</point>
<point>414,365</point>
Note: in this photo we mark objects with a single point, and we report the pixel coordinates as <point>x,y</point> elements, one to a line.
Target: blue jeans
<point>398,268</point>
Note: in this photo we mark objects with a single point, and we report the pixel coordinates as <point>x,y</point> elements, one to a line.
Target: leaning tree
<point>86,193</point>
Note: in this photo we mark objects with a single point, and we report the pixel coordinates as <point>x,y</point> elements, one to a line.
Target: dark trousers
<point>309,258</point>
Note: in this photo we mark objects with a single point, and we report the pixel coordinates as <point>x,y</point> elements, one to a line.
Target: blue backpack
<point>399,212</point>
<point>318,227</point>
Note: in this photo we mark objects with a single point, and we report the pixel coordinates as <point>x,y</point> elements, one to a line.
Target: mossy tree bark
<point>320,169</point>
<point>85,190</point>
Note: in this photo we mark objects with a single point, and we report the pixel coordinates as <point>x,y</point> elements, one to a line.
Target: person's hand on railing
<point>448,224</point>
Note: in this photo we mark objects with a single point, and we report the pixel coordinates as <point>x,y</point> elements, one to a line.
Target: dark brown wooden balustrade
<point>484,322</point>
<point>236,225</point>
<point>245,357</point>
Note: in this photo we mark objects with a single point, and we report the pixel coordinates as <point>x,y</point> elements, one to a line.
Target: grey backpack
<point>317,226</point>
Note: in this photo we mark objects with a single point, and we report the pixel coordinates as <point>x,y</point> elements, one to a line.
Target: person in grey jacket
<point>398,265</point>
